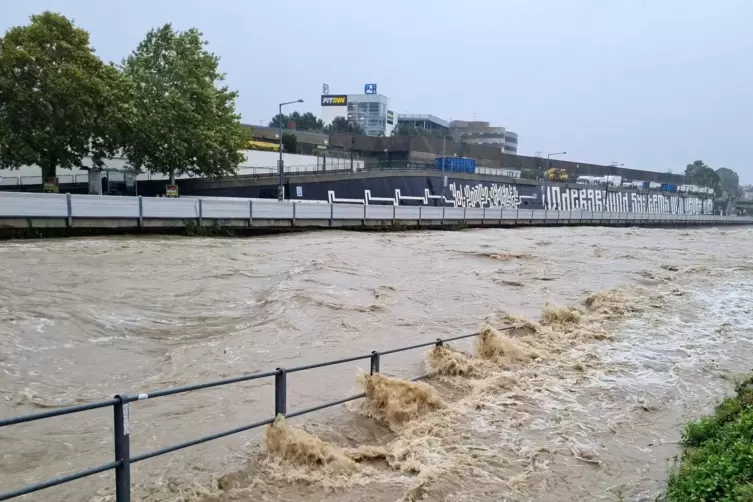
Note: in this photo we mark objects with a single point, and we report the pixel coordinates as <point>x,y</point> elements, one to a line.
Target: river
<point>584,402</point>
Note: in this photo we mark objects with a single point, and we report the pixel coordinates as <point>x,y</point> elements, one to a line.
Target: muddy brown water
<point>592,410</point>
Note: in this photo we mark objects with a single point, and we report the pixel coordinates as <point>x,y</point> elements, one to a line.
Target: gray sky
<point>653,84</point>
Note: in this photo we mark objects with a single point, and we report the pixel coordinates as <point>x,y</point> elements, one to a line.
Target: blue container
<point>456,164</point>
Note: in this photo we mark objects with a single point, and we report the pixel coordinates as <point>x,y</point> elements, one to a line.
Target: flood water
<point>583,404</point>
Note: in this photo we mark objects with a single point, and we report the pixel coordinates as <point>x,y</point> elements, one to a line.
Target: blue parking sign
<point>369,89</point>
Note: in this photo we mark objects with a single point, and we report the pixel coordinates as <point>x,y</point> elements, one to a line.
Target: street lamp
<point>280,166</point>
<point>549,156</point>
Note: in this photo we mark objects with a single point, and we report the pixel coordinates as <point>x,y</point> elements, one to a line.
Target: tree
<point>58,101</point>
<point>729,181</point>
<point>186,119</point>
<point>341,124</point>
<point>289,142</point>
<point>698,173</point>
<point>306,122</point>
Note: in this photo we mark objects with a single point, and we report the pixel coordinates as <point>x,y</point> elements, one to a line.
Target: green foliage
<point>185,119</point>
<point>717,464</point>
<point>306,122</point>
<point>289,142</point>
<point>698,173</point>
<point>341,124</point>
<point>729,181</point>
<point>60,102</point>
<point>407,129</point>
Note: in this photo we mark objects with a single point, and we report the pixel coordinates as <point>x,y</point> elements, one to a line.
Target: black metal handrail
<point>121,418</point>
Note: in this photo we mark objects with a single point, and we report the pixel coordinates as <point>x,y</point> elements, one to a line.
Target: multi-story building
<point>428,122</point>
<point>370,111</point>
<point>481,133</point>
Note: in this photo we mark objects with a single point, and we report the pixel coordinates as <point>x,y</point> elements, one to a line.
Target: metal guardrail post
<point>294,204</point>
<point>394,211</point>
<point>201,212</point>
<point>420,214</point>
<point>69,204</point>
<point>331,214</point>
<point>465,215</point>
<point>281,392</point>
<point>374,362</point>
<point>122,430</point>
<point>141,211</point>
<point>250,213</point>
<point>444,207</point>
<point>364,214</point>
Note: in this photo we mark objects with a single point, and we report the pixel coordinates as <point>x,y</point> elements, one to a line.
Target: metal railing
<point>121,418</point>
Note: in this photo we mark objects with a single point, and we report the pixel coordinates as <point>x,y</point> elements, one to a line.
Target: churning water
<point>616,337</point>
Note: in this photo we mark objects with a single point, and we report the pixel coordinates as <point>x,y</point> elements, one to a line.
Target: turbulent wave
<point>394,402</point>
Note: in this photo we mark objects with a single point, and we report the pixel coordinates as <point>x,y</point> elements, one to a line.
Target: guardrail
<point>121,418</point>
<point>265,212</point>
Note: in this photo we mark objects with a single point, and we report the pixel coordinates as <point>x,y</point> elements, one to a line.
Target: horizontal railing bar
<point>326,363</point>
<point>56,413</point>
<point>418,346</point>
<point>199,386</point>
<point>452,339</point>
<point>325,405</point>
<point>59,481</point>
<point>204,439</point>
<point>422,377</point>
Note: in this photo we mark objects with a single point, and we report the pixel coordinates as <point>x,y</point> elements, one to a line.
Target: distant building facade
<point>370,111</point>
<point>481,133</point>
<point>428,122</point>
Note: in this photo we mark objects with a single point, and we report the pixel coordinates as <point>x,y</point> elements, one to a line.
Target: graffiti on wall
<point>590,199</point>
<point>494,195</point>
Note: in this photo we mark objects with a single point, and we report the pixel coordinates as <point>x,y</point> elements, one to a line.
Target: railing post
<point>250,213</point>
<point>281,400</point>
<point>364,214</point>
<point>294,204</point>
<point>122,430</point>
<point>331,213</point>
<point>465,215</point>
<point>141,211</point>
<point>440,342</point>
<point>374,362</point>
<point>444,207</point>
<point>394,212</point>
<point>201,212</point>
<point>420,213</point>
<point>69,204</point>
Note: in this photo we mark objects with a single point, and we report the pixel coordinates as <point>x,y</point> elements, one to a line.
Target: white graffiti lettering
<point>557,198</point>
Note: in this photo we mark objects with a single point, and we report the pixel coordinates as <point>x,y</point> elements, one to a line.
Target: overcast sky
<point>653,84</point>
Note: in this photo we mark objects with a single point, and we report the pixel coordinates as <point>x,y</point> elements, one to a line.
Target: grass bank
<point>717,458</point>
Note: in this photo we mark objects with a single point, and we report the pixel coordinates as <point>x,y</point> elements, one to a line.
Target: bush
<point>717,464</point>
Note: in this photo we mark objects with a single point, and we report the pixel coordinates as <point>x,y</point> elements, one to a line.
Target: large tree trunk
<point>172,176</point>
